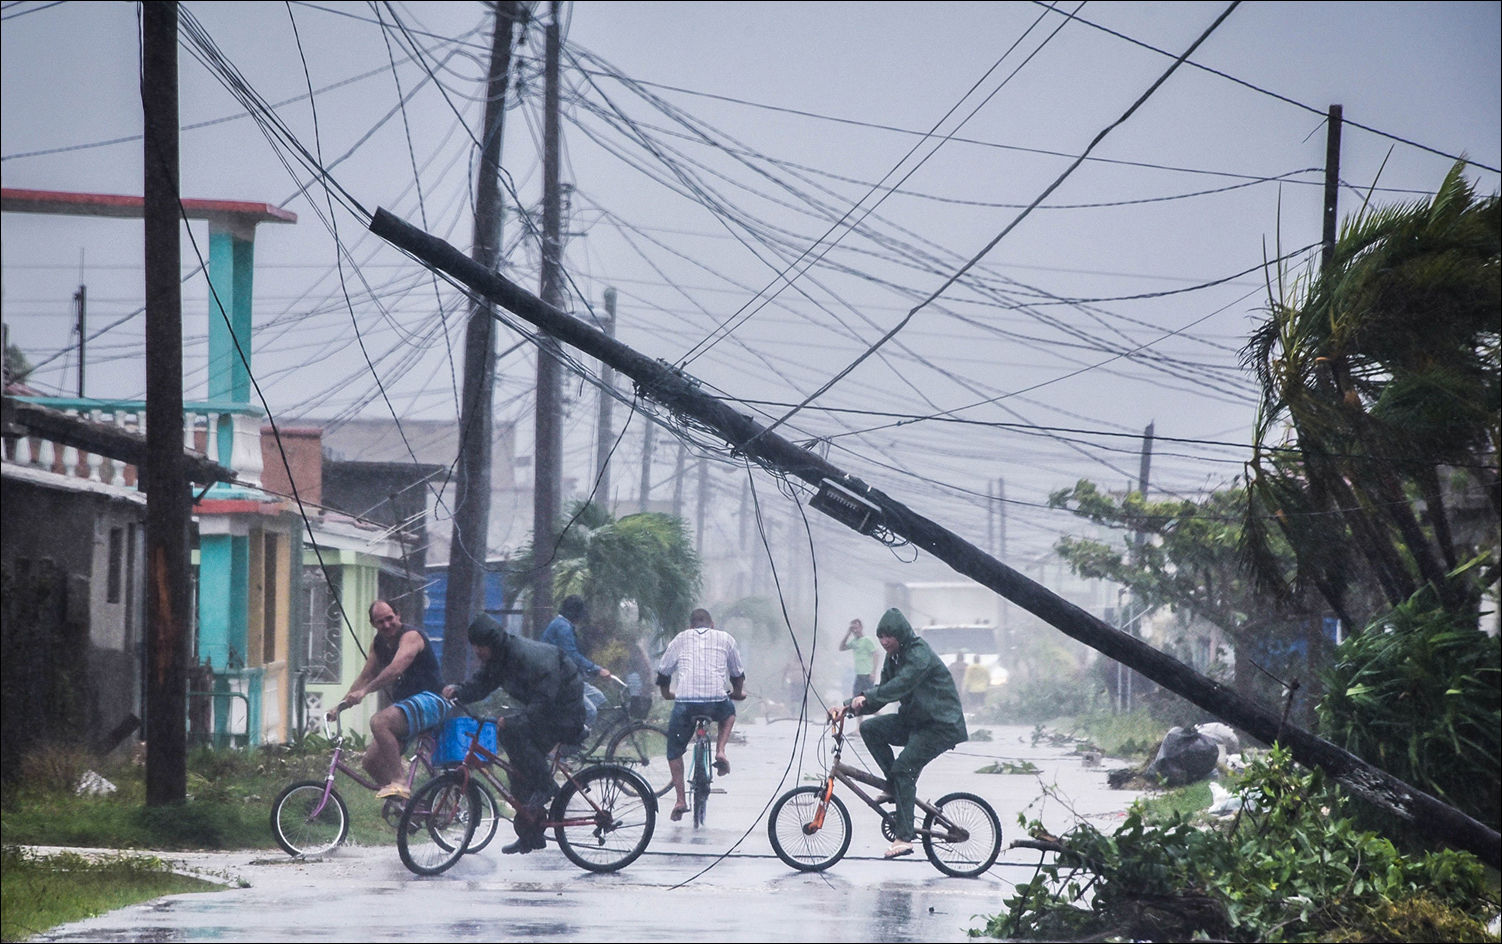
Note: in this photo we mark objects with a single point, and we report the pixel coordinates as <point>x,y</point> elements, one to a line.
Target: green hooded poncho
<point>919,680</point>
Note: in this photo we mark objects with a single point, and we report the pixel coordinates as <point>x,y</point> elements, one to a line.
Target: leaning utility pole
<point>469,544</point>
<point>874,513</point>
<point>163,476</point>
<point>547,474</point>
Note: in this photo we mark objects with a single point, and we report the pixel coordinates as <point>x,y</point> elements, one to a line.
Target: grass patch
<point>1185,801</point>
<point>230,794</point>
<point>1131,736</point>
<point>42,892</point>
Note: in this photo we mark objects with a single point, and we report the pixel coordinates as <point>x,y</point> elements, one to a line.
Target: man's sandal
<point>899,847</point>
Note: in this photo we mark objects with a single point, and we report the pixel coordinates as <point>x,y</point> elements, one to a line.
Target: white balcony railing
<point>227,434</point>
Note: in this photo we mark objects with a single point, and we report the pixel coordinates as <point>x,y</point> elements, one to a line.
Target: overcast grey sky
<point>771,187</point>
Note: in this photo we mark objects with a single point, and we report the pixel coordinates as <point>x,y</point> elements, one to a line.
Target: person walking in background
<point>957,670</point>
<point>977,683</point>
<point>862,650</point>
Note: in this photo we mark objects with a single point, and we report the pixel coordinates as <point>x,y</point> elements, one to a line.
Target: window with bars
<point>325,628</point>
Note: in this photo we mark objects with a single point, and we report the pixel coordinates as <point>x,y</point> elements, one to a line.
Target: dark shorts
<point>681,724</point>
<point>862,682</point>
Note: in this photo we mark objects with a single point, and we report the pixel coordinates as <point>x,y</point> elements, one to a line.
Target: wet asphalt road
<point>721,882</point>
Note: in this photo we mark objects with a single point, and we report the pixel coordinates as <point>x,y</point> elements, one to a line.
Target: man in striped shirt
<point>702,658</point>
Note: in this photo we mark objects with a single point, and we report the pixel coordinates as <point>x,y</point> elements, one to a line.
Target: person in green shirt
<point>928,722</point>
<point>863,651</point>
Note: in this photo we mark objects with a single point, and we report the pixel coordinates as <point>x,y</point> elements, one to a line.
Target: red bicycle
<point>602,817</point>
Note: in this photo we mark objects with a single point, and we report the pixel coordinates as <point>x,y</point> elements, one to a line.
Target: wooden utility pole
<point>645,492</point>
<point>1001,519</point>
<point>81,305</point>
<point>683,395</point>
<point>163,476</point>
<point>469,544</point>
<point>679,471</point>
<point>1332,186</point>
<point>547,474</point>
<point>603,433</point>
<point>699,511</point>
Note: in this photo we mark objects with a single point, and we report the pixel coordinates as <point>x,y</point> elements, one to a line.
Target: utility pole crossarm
<point>681,394</point>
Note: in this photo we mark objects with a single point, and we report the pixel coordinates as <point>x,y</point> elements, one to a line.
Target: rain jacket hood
<point>894,624</point>
<point>539,678</point>
<point>485,631</point>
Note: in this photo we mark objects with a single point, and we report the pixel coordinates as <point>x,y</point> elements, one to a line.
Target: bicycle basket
<point>454,736</point>
<point>639,706</point>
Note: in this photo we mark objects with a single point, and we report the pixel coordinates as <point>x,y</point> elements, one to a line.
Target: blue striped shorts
<point>423,711</point>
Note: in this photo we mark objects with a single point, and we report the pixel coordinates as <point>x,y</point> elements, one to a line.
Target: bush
<point>1285,870</point>
<point>1037,700</point>
<point>1419,694</point>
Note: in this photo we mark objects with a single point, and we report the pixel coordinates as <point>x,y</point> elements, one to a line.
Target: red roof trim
<point>236,506</point>
<point>15,200</point>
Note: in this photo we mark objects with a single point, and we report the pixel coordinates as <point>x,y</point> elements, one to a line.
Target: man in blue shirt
<point>560,633</point>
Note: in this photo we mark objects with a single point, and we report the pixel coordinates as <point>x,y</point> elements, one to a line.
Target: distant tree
<point>17,367</point>
<point>1377,437</point>
<point>639,574</point>
<point>1189,561</point>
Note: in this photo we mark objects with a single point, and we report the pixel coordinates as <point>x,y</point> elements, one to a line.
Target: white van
<point>970,641</point>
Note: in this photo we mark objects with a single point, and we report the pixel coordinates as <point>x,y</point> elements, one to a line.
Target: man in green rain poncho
<point>928,722</point>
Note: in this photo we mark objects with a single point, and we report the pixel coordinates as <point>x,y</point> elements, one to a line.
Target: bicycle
<point>810,827</point>
<point>310,817</point>
<point>703,767</point>
<point>602,816</point>
<point>621,729</point>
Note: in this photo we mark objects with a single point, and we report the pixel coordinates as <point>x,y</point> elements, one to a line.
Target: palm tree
<point>1378,430</point>
<point>639,574</point>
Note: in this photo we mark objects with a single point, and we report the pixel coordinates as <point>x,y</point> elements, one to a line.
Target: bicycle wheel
<point>964,839</point>
<point>701,781</point>
<point>304,823</point>
<point>603,818</point>
<point>794,837</point>
<point>438,823</point>
<point>489,820</point>
<point>644,748</point>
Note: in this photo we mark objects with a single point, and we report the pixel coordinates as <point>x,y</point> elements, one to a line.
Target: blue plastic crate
<point>454,737</point>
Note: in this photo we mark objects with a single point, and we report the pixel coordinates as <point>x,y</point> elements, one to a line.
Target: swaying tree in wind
<point>643,562</point>
<point>1377,436</point>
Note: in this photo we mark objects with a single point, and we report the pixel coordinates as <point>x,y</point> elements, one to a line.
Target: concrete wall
<point>88,543</point>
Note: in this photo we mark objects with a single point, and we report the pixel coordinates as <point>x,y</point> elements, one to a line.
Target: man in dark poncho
<point>548,694</point>
<point>929,720</point>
